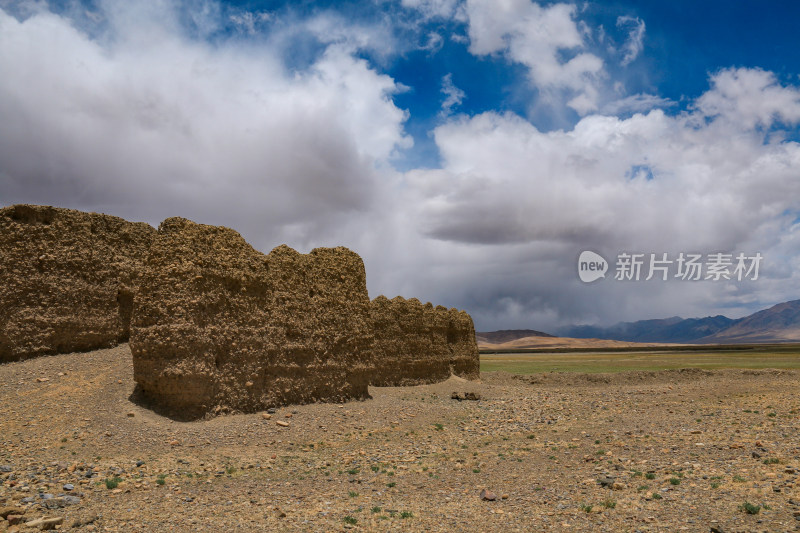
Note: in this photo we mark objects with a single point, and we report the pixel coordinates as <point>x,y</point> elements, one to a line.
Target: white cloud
<point>453,95</point>
<point>746,98</point>
<point>433,8</point>
<point>635,41</point>
<point>507,188</point>
<point>249,21</point>
<point>132,112</point>
<point>637,103</point>
<point>159,124</point>
<point>536,37</point>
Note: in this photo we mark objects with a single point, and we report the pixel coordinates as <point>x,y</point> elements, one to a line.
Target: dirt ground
<point>642,451</point>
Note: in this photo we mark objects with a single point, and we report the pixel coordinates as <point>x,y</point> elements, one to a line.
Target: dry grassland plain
<point>632,441</point>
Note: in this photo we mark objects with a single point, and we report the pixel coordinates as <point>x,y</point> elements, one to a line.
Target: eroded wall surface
<point>418,343</point>
<point>222,327</point>
<point>67,279</point>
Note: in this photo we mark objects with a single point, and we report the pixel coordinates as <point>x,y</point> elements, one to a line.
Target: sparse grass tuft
<point>750,508</point>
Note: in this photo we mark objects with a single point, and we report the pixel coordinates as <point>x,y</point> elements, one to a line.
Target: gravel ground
<point>644,451</point>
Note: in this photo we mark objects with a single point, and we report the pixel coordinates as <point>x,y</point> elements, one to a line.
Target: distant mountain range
<point>674,329</point>
<point>779,323</point>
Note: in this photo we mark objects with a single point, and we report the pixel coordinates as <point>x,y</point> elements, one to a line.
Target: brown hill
<point>507,335</point>
<point>563,342</point>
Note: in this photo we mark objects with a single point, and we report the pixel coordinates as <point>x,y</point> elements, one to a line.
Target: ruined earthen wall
<point>67,279</point>
<point>464,356</point>
<point>222,327</point>
<point>416,344</point>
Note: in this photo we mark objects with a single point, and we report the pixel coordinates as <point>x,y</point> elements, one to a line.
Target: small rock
<point>131,414</point>
<point>488,496</point>
<point>456,396</point>
<point>282,423</point>
<point>42,380</point>
<point>717,529</point>
<point>58,503</point>
<point>271,410</point>
<point>69,486</point>
<point>617,486</point>
<point>174,442</point>
<point>606,482</point>
<point>266,416</point>
<point>84,520</point>
<point>14,519</point>
<point>71,500</point>
<point>5,511</point>
<point>756,455</point>
<point>45,523</point>
<point>473,396</point>
<point>139,463</point>
<point>5,468</point>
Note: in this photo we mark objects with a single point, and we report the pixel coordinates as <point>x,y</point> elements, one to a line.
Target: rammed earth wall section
<point>67,279</point>
<point>417,344</point>
<point>219,326</point>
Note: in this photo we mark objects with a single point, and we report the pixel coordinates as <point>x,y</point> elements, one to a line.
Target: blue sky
<point>469,150</point>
